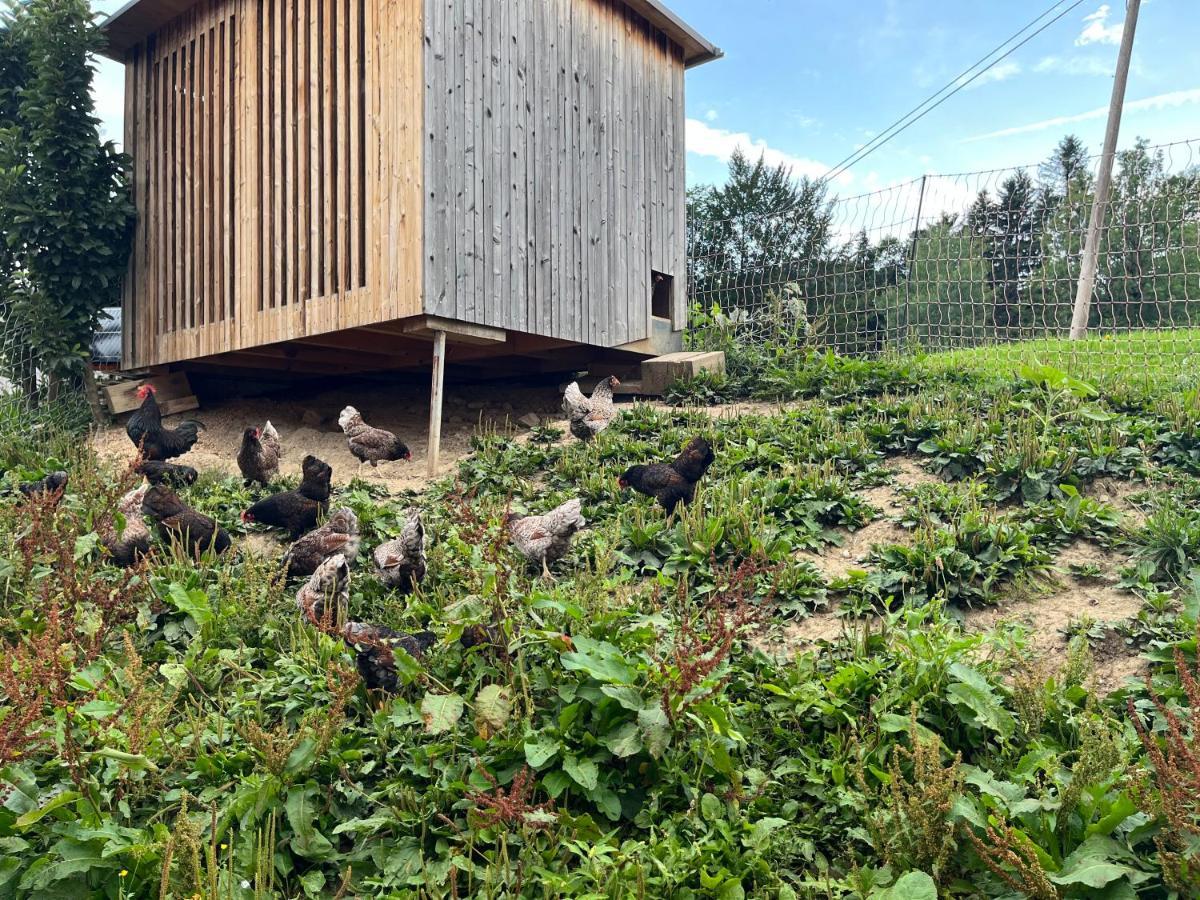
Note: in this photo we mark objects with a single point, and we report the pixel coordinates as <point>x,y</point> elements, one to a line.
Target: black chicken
<point>177,521</point>
<point>296,511</point>
<point>146,430</point>
<point>675,482</point>
<point>170,474</point>
<point>53,484</point>
<point>372,645</point>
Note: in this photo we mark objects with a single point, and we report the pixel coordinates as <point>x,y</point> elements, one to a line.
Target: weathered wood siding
<point>553,167</point>
<point>277,164</point>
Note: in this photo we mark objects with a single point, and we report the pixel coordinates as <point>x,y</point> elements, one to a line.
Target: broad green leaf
<point>313,883</point>
<point>493,706</point>
<point>711,807</point>
<point>174,673</point>
<point>992,786</point>
<point>441,712</point>
<point>85,544</point>
<point>301,808</point>
<point>762,830</point>
<point>606,801</point>
<point>193,603</point>
<point>540,749</point>
<point>909,886</point>
<point>973,692</point>
<point>599,659</point>
<point>135,761</point>
<point>555,782</point>
<point>584,772</point>
<point>35,815</point>
<point>656,730</point>
<point>624,740</point>
<point>1096,863</point>
<point>629,697</point>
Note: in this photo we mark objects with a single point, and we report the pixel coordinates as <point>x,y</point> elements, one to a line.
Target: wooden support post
<point>1091,247</point>
<point>438,377</point>
<point>99,416</point>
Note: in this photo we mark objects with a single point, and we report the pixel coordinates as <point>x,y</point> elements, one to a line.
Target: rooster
<point>545,539</point>
<point>296,511</point>
<point>590,416</point>
<point>373,647</point>
<point>401,562</point>
<point>675,482</point>
<point>170,474</point>
<point>146,430</point>
<point>338,535</point>
<point>133,542</point>
<point>330,583</point>
<point>369,444</point>
<point>52,486</point>
<point>258,458</point>
<point>177,521</point>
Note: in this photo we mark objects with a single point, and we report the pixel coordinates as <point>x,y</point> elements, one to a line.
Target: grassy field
<point>896,648</point>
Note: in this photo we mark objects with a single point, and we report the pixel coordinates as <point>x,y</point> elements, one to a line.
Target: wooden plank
<point>316,248</point>
<point>328,199</point>
<point>122,396</point>
<point>463,332</point>
<point>342,142</point>
<point>287,76</point>
<point>354,73</point>
<point>278,140</point>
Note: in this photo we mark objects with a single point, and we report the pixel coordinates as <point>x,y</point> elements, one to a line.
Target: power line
<point>955,85</point>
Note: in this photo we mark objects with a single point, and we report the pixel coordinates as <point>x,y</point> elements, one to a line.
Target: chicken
<point>52,486</point>
<point>373,647</point>
<point>258,457</point>
<point>338,535</point>
<point>170,474</point>
<point>296,511</point>
<point>126,548</point>
<point>590,416</point>
<point>675,482</point>
<point>146,430</point>
<point>368,444</point>
<point>401,562</point>
<point>489,638</point>
<point>329,584</point>
<point>177,521</point>
<point>545,539</point>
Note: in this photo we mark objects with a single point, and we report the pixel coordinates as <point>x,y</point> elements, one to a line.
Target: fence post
<point>1091,245</point>
<point>912,258</point>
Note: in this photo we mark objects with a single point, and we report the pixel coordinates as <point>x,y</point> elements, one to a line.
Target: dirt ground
<point>309,425</point>
<point>1046,612</point>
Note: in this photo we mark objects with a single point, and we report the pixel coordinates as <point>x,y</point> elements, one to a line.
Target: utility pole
<point>1091,246</point>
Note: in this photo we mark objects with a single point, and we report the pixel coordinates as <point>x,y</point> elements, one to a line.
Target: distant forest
<point>764,250</point>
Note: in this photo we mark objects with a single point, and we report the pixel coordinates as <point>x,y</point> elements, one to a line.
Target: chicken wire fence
<point>30,399</point>
<point>945,262</point>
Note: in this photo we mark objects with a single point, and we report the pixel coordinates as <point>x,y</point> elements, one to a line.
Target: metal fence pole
<point>1091,247</point>
<point>912,259</point>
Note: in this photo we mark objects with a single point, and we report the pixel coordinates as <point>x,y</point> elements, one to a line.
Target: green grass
<point>1158,360</point>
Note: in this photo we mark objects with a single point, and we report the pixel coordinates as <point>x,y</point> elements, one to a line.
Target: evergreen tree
<point>1012,229</point>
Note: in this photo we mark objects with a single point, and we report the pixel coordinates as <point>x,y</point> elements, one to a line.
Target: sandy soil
<point>309,425</point>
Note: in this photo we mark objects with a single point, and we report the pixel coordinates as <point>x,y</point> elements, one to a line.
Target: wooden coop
<point>325,185</point>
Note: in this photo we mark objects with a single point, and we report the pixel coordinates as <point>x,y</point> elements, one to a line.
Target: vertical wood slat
<point>278,281</point>
<point>286,198</point>
<point>328,211</point>
<point>354,88</point>
<point>341,138</point>
<point>313,63</point>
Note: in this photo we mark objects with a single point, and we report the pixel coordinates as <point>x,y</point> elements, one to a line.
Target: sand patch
<point>909,473</point>
<point>836,562</point>
<point>797,636</point>
<point>1117,493</point>
<point>309,425</point>
<point>1047,617</point>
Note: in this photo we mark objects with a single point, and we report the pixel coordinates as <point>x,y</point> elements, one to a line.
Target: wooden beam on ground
<point>461,332</point>
<point>435,400</point>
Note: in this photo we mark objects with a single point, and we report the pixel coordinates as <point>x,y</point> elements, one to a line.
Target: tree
<point>1065,174</point>
<point>763,229</point>
<point>1012,228</point>
<point>65,210</point>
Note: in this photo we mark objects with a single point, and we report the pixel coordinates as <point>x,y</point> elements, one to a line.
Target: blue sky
<point>810,80</point>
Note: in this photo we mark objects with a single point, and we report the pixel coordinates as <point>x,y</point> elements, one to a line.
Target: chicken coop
<point>333,186</point>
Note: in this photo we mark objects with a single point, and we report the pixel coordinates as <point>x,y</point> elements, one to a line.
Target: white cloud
<point>711,116</point>
<point>1075,65</point>
<point>1171,100</point>
<point>704,140</point>
<point>1098,31</point>
<point>999,72</point>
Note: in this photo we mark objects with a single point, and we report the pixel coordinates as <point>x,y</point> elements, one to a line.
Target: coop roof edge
<point>140,18</point>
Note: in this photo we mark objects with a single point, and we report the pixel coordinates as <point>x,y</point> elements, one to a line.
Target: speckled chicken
<point>401,562</point>
<point>177,521</point>
<point>339,534</point>
<point>545,539</point>
<point>258,457</point>
<point>588,416</point>
<point>327,592</point>
<point>133,542</point>
<point>296,511</point>
<point>373,647</point>
<point>170,474</point>
<point>674,482</point>
<point>369,444</point>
